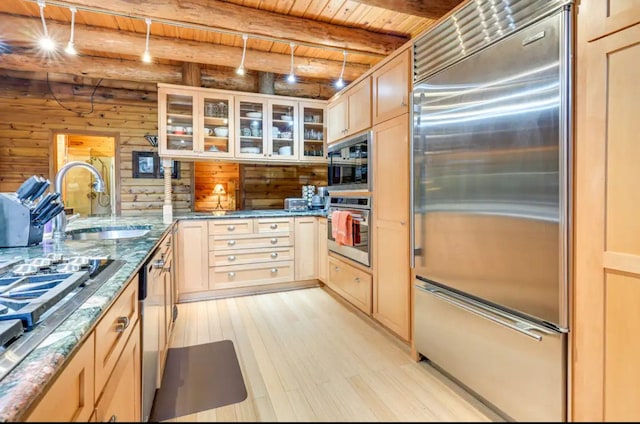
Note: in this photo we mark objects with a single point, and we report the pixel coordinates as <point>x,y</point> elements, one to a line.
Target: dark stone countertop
<point>20,387</point>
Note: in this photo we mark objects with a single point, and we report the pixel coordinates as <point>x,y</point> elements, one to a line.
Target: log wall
<point>30,115</point>
<point>207,175</point>
<point>266,186</point>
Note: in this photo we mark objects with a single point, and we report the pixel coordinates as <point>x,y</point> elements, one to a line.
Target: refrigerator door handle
<point>523,329</point>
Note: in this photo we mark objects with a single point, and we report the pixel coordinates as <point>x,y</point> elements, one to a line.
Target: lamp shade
<point>219,189</point>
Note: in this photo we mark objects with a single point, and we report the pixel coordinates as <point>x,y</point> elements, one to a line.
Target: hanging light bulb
<point>70,49</point>
<point>291,78</point>
<point>46,43</point>
<point>340,82</point>
<point>146,56</point>
<point>240,70</point>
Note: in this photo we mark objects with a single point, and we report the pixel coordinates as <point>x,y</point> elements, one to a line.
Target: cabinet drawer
<point>120,400</point>
<point>273,225</point>
<point>249,241</point>
<point>231,226</point>
<point>113,331</point>
<point>225,277</point>
<point>353,284</point>
<point>70,397</point>
<point>250,256</point>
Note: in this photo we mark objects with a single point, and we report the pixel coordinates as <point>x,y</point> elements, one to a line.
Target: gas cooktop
<point>37,294</point>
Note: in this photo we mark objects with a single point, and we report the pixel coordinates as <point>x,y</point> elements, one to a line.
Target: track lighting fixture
<point>240,70</point>
<point>46,43</point>
<point>146,56</point>
<point>70,49</point>
<point>291,78</point>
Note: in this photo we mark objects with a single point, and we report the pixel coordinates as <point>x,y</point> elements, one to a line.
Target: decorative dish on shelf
<point>249,150</point>
<point>254,114</point>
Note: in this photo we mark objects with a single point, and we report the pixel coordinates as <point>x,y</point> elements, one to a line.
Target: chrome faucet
<point>60,221</point>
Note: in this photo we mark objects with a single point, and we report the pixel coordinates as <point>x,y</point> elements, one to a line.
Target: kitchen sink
<point>109,233</point>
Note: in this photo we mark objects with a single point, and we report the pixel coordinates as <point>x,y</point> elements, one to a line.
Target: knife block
<point>16,228</point>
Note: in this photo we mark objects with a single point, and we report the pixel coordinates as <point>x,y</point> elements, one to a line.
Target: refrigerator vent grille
<point>474,26</point>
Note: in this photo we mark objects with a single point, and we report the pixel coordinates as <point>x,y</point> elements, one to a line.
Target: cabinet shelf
<point>179,115</point>
<point>314,141</point>
<point>179,135</point>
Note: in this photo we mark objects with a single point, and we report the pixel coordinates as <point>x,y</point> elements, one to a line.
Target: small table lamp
<point>219,190</point>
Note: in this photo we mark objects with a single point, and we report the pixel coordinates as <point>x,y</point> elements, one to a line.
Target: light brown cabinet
<point>323,252</point>
<point>391,88</point>
<point>250,252</point>
<point>198,123</point>
<point>351,283</point>
<point>194,123</point>
<point>391,285</point>
<point>120,399</point>
<point>192,257</point>
<point>350,113</point>
<point>102,379</point>
<point>71,396</point>
<point>306,247</point>
<point>606,295</point>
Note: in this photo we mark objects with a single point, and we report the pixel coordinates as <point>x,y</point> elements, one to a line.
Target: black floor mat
<point>198,378</point>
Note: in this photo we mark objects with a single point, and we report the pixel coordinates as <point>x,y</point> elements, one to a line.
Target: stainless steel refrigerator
<point>491,206</point>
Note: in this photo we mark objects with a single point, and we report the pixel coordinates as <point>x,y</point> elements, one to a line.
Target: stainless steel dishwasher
<point>152,315</point>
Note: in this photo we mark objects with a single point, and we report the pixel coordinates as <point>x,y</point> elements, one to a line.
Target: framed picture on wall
<point>175,168</point>
<point>144,164</point>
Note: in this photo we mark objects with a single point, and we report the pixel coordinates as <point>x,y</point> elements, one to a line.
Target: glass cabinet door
<point>217,124</point>
<point>283,129</point>
<point>177,123</point>
<point>250,127</point>
<point>313,132</point>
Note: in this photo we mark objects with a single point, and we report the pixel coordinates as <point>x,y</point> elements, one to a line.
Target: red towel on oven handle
<point>341,227</point>
<point>356,233</point>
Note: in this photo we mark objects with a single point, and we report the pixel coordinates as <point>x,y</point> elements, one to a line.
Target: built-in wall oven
<point>359,207</point>
<point>349,163</point>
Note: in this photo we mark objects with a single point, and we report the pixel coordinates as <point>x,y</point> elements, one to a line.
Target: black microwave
<point>349,163</point>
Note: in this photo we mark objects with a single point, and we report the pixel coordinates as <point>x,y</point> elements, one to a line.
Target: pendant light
<point>70,49</point>
<point>240,70</point>
<point>340,82</point>
<point>46,43</point>
<point>291,78</point>
<point>146,56</point>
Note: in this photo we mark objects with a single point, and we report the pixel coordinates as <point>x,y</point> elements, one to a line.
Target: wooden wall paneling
<point>604,353</point>
<point>30,115</point>
<point>265,186</point>
<point>207,175</point>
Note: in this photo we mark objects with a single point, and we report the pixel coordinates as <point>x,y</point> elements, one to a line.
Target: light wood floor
<point>305,356</point>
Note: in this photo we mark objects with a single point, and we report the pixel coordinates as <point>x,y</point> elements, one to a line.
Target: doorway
<point>77,187</point>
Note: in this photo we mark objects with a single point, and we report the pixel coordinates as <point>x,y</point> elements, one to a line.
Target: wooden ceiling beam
<point>20,30</point>
<point>236,18</point>
<point>86,70</point>
<point>432,9</point>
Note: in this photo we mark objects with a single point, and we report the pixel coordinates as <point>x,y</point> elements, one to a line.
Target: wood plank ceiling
<point>110,36</point>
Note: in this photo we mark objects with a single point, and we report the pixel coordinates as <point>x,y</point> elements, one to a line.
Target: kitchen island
<point>21,387</point>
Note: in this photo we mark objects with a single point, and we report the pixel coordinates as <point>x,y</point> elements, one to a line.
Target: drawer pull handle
<point>231,227</point>
<point>273,226</point>
<point>121,324</point>
<point>274,255</point>
<point>274,240</point>
<point>231,242</point>
<point>231,258</point>
<point>158,264</point>
<point>274,270</point>
<point>167,269</point>
<point>357,279</point>
<point>337,269</point>
<point>113,418</point>
<point>231,274</point>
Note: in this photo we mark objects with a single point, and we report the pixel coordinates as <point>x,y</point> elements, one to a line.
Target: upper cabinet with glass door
<point>313,132</point>
<point>217,125</point>
<point>283,130</point>
<point>195,122</point>
<point>178,112</point>
<point>250,127</point>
